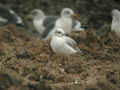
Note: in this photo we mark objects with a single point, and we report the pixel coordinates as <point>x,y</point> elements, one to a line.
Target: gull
<point>115,26</point>
<point>63,45</point>
<point>43,24</point>
<point>66,22</point>
<point>8,16</point>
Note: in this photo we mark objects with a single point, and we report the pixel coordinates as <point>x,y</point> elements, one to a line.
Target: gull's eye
<point>67,12</point>
<point>58,32</point>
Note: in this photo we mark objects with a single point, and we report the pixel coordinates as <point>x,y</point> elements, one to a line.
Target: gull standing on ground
<point>115,26</point>
<point>8,16</point>
<point>63,45</point>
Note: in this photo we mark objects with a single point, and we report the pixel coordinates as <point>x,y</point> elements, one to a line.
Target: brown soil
<point>27,63</point>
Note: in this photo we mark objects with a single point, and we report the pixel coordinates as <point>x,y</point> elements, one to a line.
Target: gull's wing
<point>49,20</point>
<point>10,15</point>
<point>76,25</point>
<point>18,18</point>
<point>3,20</point>
<point>71,43</point>
<point>49,24</point>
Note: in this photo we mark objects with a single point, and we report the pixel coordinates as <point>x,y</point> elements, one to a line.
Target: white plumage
<point>38,17</point>
<point>65,20</point>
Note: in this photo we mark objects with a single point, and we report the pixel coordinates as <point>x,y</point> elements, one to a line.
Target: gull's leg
<point>62,58</point>
<point>65,58</point>
<point>51,51</point>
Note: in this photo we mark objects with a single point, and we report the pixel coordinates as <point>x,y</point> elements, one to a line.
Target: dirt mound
<point>27,63</point>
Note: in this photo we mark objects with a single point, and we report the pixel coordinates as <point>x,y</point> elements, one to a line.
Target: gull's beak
<point>75,16</point>
<point>63,34</point>
<point>112,12</point>
<point>28,17</point>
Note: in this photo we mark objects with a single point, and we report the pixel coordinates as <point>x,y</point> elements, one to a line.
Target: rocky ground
<point>27,63</point>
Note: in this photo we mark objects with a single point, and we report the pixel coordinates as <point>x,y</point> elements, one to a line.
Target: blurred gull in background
<point>8,16</point>
<point>66,21</point>
<point>43,24</point>
<point>115,26</point>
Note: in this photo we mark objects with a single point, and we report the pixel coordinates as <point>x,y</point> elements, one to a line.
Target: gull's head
<point>67,12</point>
<point>59,32</point>
<point>35,13</point>
<point>115,13</point>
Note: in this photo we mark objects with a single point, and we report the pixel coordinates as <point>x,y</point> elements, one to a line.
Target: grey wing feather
<point>74,23</point>
<point>8,14</point>
<point>69,41</point>
<point>3,20</point>
<point>48,23</point>
<point>48,20</point>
